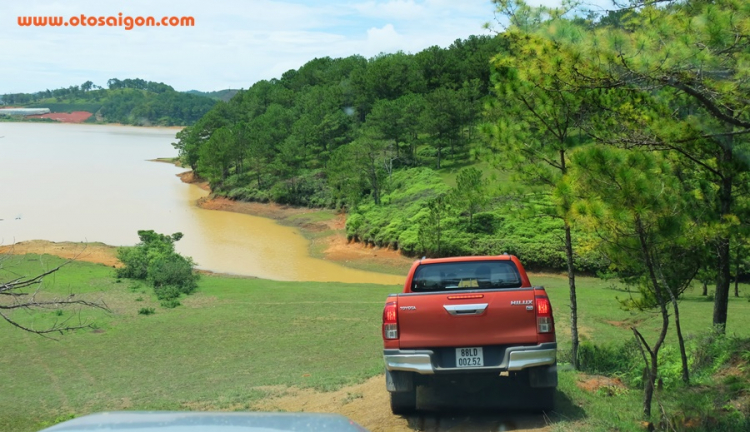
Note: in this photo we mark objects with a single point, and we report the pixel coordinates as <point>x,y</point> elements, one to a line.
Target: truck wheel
<point>545,399</point>
<point>404,402</point>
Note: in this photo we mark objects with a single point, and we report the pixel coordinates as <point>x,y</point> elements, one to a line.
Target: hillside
<point>129,101</point>
<point>222,95</point>
<point>381,138</point>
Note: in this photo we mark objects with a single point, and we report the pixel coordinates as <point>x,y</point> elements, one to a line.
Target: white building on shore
<point>24,111</point>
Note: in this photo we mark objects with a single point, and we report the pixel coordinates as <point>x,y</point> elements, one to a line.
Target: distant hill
<point>128,101</point>
<point>222,95</point>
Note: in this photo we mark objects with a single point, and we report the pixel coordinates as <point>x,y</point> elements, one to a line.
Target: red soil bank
<point>74,117</point>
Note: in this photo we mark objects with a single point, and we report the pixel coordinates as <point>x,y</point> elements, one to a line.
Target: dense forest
<point>385,139</point>
<point>128,101</point>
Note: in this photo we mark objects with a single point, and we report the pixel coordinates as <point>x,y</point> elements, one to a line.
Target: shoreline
<point>324,228</point>
<point>7,119</point>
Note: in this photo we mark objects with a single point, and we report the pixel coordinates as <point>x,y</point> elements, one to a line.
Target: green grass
<point>214,352</point>
<point>229,344</point>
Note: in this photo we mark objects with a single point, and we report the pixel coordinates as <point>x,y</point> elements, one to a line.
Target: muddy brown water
<point>85,183</point>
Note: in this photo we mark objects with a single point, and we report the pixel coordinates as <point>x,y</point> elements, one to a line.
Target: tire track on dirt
<point>368,404</point>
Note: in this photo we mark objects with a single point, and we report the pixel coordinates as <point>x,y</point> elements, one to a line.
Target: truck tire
<point>545,399</point>
<point>404,402</point>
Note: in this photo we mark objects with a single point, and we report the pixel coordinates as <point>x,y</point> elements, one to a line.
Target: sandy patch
<point>266,210</point>
<point>99,253</point>
<point>340,250</point>
<point>367,404</point>
<point>595,383</point>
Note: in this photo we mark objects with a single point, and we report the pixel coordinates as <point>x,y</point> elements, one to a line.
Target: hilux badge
<point>408,308</point>
<point>520,302</point>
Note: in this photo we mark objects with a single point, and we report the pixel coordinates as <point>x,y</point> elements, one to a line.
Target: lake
<point>87,183</point>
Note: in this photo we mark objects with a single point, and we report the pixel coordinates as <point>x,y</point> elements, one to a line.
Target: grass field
<point>238,340</point>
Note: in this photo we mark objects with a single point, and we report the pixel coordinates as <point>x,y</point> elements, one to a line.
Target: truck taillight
<point>544,321</point>
<point>390,321</point>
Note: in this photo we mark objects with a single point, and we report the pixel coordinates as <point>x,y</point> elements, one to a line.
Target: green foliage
<point>411,220</point>
<point>170,303</point>
<point>354,121</point>
<point>470,195</point>
<point>129,101</point>
<point>661,78</point>
<point>56,420</point>
<point>146,311</point>
<point>612,359</point>
<point>155,261</point>
<point>222,95</point>
<point>708,354</point>
<point>167,292</point>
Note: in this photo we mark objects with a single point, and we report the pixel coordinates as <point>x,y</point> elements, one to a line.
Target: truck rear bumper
<point>426,362</point>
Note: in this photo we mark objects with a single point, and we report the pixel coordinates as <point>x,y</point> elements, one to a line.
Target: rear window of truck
<point>470,275</point>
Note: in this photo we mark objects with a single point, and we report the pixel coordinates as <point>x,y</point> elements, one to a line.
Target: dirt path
<point>368,405</point>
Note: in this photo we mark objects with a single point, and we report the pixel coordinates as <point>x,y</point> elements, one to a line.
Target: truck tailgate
<point>461,319</point>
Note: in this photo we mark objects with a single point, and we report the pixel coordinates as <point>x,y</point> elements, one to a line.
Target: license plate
<point>469,357</point>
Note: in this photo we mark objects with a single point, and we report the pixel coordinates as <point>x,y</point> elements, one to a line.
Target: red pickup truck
<point>469,317</point>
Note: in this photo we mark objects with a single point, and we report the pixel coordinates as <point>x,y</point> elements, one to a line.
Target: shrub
<point>155,261</point>
<point>172,270</point>
<point>167,292</point>
<point>170,304</point>
<point>146,311</point>
<point>620,359</point>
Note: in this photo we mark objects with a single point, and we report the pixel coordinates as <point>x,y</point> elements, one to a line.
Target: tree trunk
<point>721,297</point>
<point>737,275</point>
<point>571,280</point>
<point>660,299</point>
<point>573,300</point>
<point>705,288</point>
<point>680,339</point>
<point>440,146</point>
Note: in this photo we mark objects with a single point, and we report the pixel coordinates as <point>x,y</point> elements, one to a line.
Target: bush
<point>172,270</point>
<point>167,292</point>
<point>155,261</point>
<point>170,304</point>
<point>613,359</point>
<point>146,311</point>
